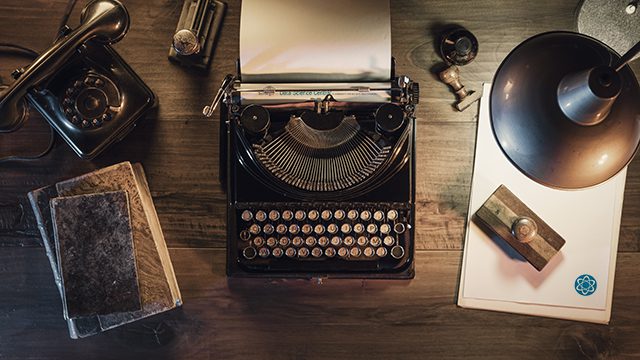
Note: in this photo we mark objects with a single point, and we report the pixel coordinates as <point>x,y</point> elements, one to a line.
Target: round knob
<point>524,229</point>
<point>255,119</point>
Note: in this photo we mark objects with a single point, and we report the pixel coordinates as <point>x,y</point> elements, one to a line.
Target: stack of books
<point>108,255</point>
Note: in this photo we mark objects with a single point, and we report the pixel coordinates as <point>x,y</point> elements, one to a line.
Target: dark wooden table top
<point>242,318</point>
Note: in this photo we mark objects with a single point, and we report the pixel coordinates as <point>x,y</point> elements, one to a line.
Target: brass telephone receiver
<point>80,83</point>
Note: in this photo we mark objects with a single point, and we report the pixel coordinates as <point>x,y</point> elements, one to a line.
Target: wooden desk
<point>224,318</point>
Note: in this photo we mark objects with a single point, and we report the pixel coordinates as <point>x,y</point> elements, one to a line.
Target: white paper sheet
<point>495,277</point>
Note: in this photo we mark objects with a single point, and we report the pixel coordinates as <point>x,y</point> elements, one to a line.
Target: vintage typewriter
<point>319,175</point>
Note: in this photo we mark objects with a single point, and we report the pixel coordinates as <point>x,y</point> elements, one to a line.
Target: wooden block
<point>509,218</point>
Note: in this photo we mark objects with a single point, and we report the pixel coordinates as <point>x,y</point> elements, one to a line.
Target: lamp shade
<point>561,114</point>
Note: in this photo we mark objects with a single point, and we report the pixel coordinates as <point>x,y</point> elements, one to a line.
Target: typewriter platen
<point>319,175</point>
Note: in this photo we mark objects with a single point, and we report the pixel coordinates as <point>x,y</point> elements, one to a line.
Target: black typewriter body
<point>320,188</point>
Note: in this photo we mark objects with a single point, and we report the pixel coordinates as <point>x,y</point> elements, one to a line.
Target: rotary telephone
<point>81,86</point>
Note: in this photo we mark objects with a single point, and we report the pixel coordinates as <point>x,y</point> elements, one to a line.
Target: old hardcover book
<point>94,247</point>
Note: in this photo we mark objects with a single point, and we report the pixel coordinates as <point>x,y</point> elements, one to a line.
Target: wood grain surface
<point>228,318</point>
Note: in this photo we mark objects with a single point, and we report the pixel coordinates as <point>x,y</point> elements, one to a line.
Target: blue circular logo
<point>586,285</point>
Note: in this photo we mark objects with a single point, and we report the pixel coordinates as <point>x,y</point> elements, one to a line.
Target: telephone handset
<point>81,86</point>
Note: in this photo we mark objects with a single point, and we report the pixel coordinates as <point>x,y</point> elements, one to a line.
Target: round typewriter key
<point>389,240</point>
<point>281,229</point>
<point>332,228</point>
<point>319,229</point>
<point>369,252</point>
<point>336,241</point>
<point>264,252</point>
<point>381,252</point>
<point>291,252</point>
<point>392,215</point>
<point>268,229</point>
<point>310,241</point>
<point>284,241</point>
<point>352,214</point>
<point>355,252</point>
<point>316,252</point>
<point>277,252</point>
<point>397,252</point>
<point>372,228</point>
<point>303,252</point>
<point>274,215</point>
<point>358,228</point>
<point>330,252</point>
<point>399,228</point>
<point>249,253</point>
<point>258,241</point>
<point>297,241</point>
<point>245,235</point>
<point>345,228</point>
<point>375,241</point>
<point>254,229</point>
<point>323,241</point>
<point>247,215</point>
<point>326,215</point>
<point>287,215</point>
<point>294,229</point>
<point>385,229</point>
<point>300,215</point>
<point>365,215</point>
<point>339,214</point>
<point>363,240</point>
<point>271,242</point>
<point>349,241</point>
<point>378,215</point>
<point>343,252</point>
<point>261,216</point>
<point>313,215</point>
<point>307,229</point>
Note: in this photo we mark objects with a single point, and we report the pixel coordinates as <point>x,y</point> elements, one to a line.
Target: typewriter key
<point>258,241</point>
<point>281,229</point>
<point>300,215</point>
<point>323,241</point>
<point>330,252</point>
<point>332,228</point>
<point>378,215</point>
<point>311,241</point>
<point>372,228</point>
<point>365,215</point>
<point>339,214</point>
<point>291,252</point>
<point>313,215</point>
<point>381,252</point>
<point>261,216</point>
<point>369,252</point>
<point>326,215</point>
<point>254,229</point>
<point>264,252</point>
<point>397,252</point>
<point>363,240</point>
<point>274,215</point>
<point>287,215</point>
<point>303,252</point>
<point>245,235</point>
<point>355,252</point>
<point>352,214</point>
<point>268,229</point>
<point>392,215</point>
<point>249,253</point>
<point>399,228</point>
<point>345,228</point>
<point>271,242</point>
<point>358,228</point>
<point>247,215</point>
<point>343,252</point>
<point>307,229</point>
<point>316,252</point>
<point>284,241</point>
<point>385,229</point>
<point>375,241</point>
<point>349,241</point>
<point>319,229</point>
<point>336,241</point>
<point>294,229</point>
<point>389,240</point>
<point>297,241</point>
<point>277,252</point>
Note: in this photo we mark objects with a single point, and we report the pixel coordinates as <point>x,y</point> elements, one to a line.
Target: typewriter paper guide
<point>315,41</point>
<point>496,278</point>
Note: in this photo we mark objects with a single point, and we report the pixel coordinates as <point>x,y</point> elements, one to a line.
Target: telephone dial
<point>81,86</point>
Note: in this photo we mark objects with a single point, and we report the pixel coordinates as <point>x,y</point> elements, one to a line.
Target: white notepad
<point>577,283</point>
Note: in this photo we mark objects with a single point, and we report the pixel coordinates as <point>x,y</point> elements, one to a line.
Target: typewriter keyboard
<point>365,232</point>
